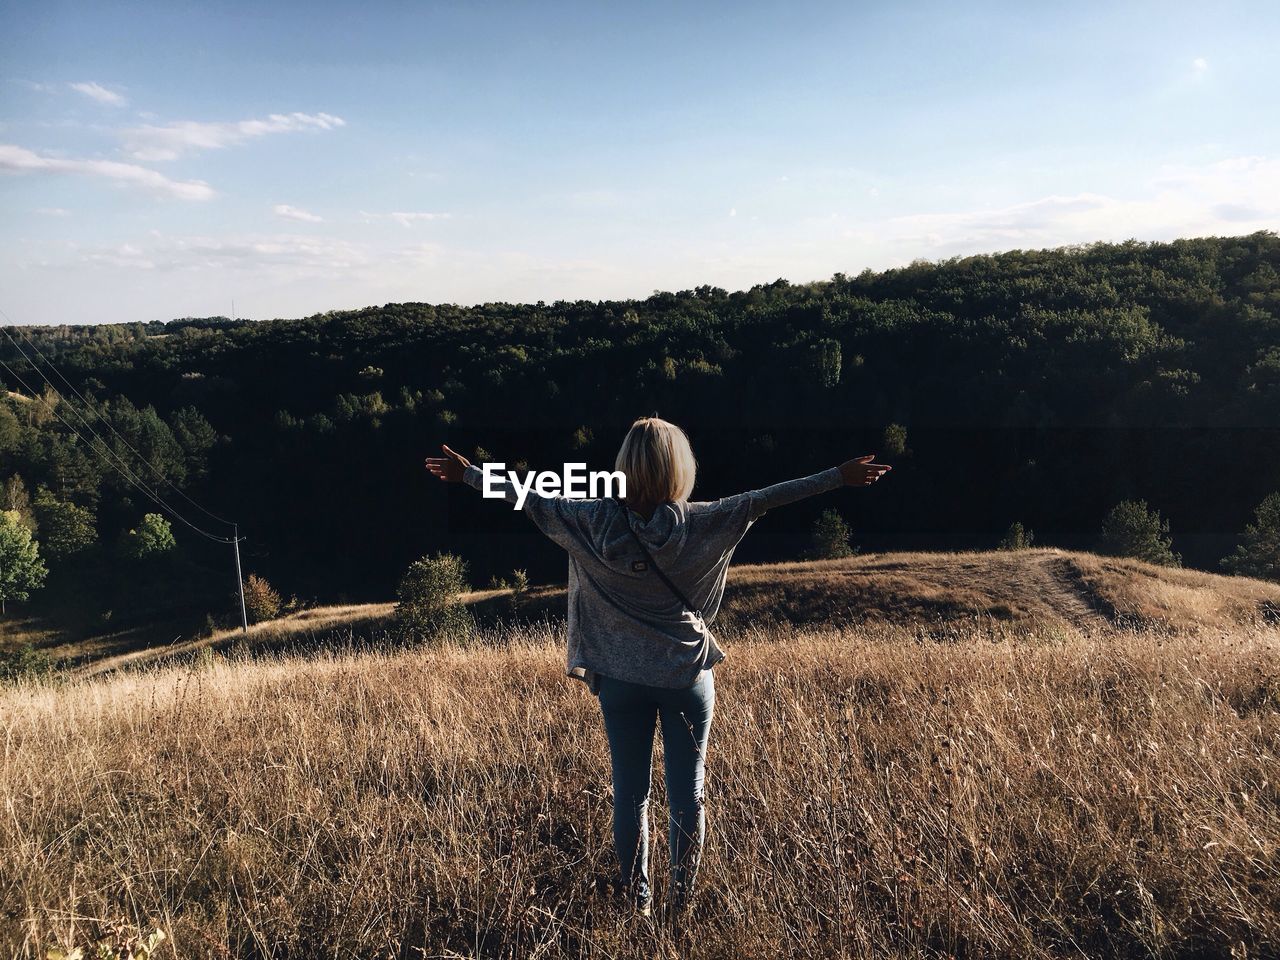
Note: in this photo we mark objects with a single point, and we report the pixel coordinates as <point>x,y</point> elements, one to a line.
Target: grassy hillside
<point>871,793</point>
<point>1027,586</point>
<point>929,591</point>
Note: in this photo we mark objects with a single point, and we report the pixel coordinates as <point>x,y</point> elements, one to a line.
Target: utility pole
<point>244,617</point>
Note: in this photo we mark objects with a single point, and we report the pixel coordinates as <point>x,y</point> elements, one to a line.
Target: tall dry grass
<point>997,792</point>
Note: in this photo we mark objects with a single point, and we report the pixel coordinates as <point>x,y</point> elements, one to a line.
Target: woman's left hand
<point>450,467</point>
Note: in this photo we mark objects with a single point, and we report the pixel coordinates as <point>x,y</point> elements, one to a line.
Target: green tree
<point>153,537</point>
<point>14,497</point>
<point>66,528</point>
<point>894,440</point>
<point>196,437</point>
<point>827,362</point>
<point>430,603</point>
<point>1017,537</point>
<point>144,432</point>
<point>1259,553</point>
<point>829,539</point>
<point>519,582</point>
<point>1131,529</point>
<point>519,588</point>
<point>10,427</point>
<point>75,470</point>
<point>21,569</point>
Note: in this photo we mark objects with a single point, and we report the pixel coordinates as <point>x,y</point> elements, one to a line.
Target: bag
<point>699,623</point>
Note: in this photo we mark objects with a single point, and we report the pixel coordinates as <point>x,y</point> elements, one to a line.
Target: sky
<point>165,160</point>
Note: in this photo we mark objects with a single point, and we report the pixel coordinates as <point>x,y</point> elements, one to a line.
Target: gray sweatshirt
<point>624,622</point>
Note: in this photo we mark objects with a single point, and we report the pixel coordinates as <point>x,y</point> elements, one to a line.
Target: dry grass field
<point>1103,784</point>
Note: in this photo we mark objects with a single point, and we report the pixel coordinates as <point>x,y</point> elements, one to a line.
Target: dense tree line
<point>1040,387</point>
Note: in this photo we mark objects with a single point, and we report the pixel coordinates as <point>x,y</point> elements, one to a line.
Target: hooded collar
<point>664,531</point>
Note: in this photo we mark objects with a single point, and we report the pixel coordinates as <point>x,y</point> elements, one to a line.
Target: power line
<point>120,465</point>
<point>71,386</point>
<point>103,419</point>
<point>235,538</point>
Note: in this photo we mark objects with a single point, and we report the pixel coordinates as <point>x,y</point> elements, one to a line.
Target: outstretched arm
<point>453,467</point>
<point>555,516</point>
<point>859,472</point>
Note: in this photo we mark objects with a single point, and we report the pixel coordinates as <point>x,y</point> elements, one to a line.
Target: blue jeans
<point>631,712</point>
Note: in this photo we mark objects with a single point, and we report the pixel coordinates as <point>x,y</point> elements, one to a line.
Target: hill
<point>1039,585</point>
<point>928,592</point>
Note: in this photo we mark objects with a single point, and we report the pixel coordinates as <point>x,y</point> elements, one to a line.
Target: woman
<point>646,575</point>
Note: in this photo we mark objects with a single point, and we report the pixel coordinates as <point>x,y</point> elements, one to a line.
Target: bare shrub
<point>261,602</point>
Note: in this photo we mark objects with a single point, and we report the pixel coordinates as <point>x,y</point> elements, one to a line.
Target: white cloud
<point>18,160</point>
<point>404,219</point>
<point>123,255</point>
<point>280,254</point>
<point>1229,197</point>
<point>296,213</point>
<point>1011,224</point>
<point>197,265</point>
<point>97,91</point>
<point>1199,66</point>
<point>321,253</point>
<point>602,198</point>
<point>170,141</point>
<point>733,211</point>
<point>53,211</point>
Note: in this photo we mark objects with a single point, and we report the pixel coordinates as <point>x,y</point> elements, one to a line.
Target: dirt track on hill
<point>1063,593</point>
<point>315,619</point>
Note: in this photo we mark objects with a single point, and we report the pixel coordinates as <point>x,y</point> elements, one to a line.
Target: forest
<point>1039,387</point>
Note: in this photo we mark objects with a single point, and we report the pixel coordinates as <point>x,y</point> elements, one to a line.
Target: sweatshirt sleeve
<point>789,491</point>
<point>564,521</point>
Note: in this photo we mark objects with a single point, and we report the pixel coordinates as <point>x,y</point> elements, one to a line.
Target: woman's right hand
<point>862,472</point>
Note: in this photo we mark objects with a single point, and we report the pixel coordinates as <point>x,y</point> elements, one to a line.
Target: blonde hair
<point>657,461</point>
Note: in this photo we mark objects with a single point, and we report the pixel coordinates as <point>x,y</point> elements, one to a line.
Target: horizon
<point>161,166</point>
<point>731,292</point>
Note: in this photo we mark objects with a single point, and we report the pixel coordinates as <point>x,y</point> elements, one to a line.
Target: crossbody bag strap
<point>653,566</point>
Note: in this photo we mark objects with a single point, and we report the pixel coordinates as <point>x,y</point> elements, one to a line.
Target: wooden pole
<point>244,617</point>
